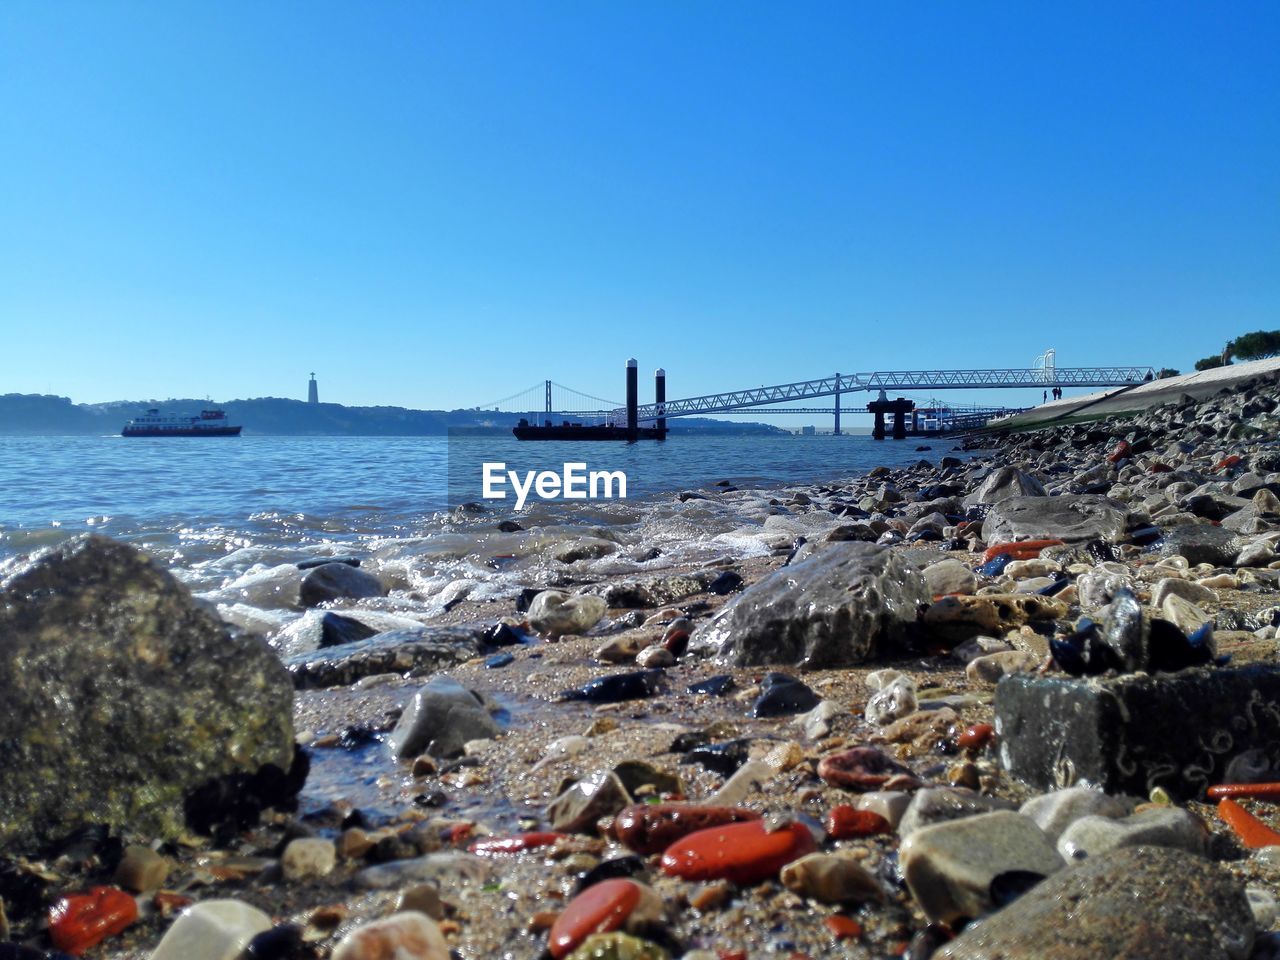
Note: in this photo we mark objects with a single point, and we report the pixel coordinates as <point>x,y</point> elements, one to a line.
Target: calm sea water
<point>193,498</point>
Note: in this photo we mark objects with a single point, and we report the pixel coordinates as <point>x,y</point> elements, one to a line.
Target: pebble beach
<point>1015,701</point>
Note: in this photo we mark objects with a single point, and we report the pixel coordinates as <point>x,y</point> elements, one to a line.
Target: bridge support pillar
<point>659,399</point>
<point>633,401</point>
<point>899,408</point>
<point>836,431</point>
<point>899,424</point>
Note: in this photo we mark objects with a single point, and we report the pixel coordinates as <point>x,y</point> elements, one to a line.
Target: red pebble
<point>650,828</point>
<point>601,908</point>
<point>741,853</point>
<point>1120,451</point>
<point>863,768</point>
<point>731,954</point>
<point>1267,791</point>
<point>843,927</point>
<point>1020,550</point>
<point>1158,467</point>
<point>79,921</point>
<point>496,846</point>
<point>845,823</point>
<point>975,737</point>
<point>1226,463</point>
<point>459,832</point>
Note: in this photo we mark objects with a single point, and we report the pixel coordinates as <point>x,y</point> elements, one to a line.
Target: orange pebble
<point>601,908</point>
<point>844,928</point>
<point>1253,833</point>
<point>739,852</point>
<point>975,737</point>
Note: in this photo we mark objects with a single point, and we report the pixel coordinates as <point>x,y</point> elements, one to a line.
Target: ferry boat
<point>210,423</point>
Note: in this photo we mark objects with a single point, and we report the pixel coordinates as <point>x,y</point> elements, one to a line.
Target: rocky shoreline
<point>1022,705</point>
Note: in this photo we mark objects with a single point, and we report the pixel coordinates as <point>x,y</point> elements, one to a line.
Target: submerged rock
<point>843,605</point>
<point>408,652</point>
<point>440,719</point>
<point>124,693</point>
<point>338,581</point>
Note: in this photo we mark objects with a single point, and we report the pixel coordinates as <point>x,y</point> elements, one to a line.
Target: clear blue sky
<point>434,204</point>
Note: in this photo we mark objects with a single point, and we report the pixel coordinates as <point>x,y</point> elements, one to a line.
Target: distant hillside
<point>44,415</point>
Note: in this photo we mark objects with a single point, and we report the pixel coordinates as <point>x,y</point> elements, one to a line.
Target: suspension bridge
<point>550,400</point>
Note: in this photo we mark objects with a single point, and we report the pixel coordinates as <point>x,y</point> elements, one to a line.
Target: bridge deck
<point>897,380</point>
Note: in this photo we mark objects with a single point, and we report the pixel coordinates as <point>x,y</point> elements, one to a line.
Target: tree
<point>1209,363</point>
<point>1166,372</point>
<point>1256,345</point>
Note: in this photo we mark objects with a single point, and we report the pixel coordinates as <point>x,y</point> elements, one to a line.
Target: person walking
<point>1044,396</point>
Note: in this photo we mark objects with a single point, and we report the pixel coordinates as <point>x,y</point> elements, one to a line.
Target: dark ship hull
<point>180,432</point>
<point>578,431</point>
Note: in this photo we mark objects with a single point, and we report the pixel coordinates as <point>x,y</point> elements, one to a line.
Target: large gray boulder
<point>120,697</point>
<point>842,605</point>
<point>1141,903</point>
<point>1003,483</point>
<point>1072,518</point>
<point>338,581</point>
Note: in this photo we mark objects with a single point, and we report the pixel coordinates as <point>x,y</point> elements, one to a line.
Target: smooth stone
<point>1183,614</point>
<point>934,805</point>
<point>142,869</point>
<point>212,930</point>
<point>746,780</point>
<point>1070,517</point>
<point>401,936</point>
<point>1186,589</point>
<point>556,614</point>
<point>991,667</point>
<point>842,605</point>
<point>649,828</point>
<point>817,722</point>
<point>831,878</point>
<point>949,867</point>
<point>1153,827</point>
<point>862,768</point>
<point>1144,903</point>
<point>308,858</point>
<point>654,658</point>
<point>451,866</point>
<point>889,804</point>
<point>408,652</point>
<point>619,650</point>
<point>1057,731</point>
<point>1003,483</point>
<point>338,581</point>
<point>782,695</point>
<point>440,720</point>
<point>1031,569</point>
<point>1258,554</point>
<point>135,694</point>
<point>742,853</point>
<point>578,808</point>
<point>948,576</point>
<point>1201,543</point>
<point>1053,812</point>
<point>977,647</point>
<point>617,687</point>
<point>604,907</point>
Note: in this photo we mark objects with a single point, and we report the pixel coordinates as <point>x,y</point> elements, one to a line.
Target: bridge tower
<point>633,400</point>
<point>660,400</point>
<point>836,431</point>
<point>548,410</point>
